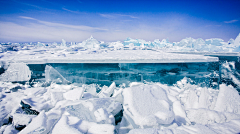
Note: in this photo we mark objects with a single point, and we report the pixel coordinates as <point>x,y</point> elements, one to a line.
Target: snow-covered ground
<point>58,106</point>
<point>117,56</point>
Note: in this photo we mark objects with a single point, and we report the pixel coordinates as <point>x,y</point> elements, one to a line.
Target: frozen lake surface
<point>120,87</point>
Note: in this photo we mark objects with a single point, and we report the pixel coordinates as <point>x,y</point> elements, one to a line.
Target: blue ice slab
<point>106,73</point>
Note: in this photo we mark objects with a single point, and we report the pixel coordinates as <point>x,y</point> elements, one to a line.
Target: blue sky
<point>112,20</point>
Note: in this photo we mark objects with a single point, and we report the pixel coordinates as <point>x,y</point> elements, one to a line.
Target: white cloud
<point>25,17</point>
<point>44,31</point>
<point>107,16</point>
<point>116,16</point>
<point>231,21</point>
<point>173,28</point>
<point>77,27</point>
<point>70,10</point>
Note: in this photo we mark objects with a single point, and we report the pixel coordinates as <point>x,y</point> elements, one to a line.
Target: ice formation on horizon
<point>185,45</point>
<point>91,43</point>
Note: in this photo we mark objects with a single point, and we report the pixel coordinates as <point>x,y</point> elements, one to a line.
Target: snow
<point>118,56</point>
<point>228,100</point>
<point>147,106</point>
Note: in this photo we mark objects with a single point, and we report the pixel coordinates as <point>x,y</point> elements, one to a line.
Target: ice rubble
<point>141,108</point>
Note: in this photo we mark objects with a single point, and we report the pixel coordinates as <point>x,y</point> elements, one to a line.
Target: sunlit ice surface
<point>120,87</point>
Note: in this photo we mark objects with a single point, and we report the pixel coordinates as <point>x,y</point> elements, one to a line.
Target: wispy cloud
<point>231,21</point>
<point>131,16</point>
<point>33,30</point>
<point>174,28</point>
<point>25,17</point>
<point>70,10</point>
<point>116,16</point>
<point>108,16</point>
<point>77,27</point>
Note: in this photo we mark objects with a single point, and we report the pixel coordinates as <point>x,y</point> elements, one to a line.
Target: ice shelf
<point>211,53</point>
<point>118,56</point>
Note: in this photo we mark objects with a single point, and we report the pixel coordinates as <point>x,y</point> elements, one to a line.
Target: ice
<point>16,72</point>
<point>116,45</point>
<point>237,41</point>
<point>10,130</point>
<point>82,112</point>
<point>228,100</point>
<point>139,108</point>
<point>231,127</point>
<point>74,125</point>
<point>38,124</point>
<point>52,75</point>
<point>180,114</point>
<point>188,44</point>
<point>92,107</point>
<point>127,96</point>
<point>108,92</point>
<point>144,131</point>
<point>230,73</point>
<point>103,117</point>
<point>192,100</point>
<point>214,41</point>
<point>56,96</point>
<point>9,103</point>
<point>204,116</point>
<point>92,89</point>
<point>100,56</point>
<point>62,127</point>
<point>37,104</point>
<point>91,43</point>
<point>64,43</point>
<point>160,44</point>
<point>101,128</point>
<point>35,91</point>
<point>20,121</point>
<point>135,42</point>
<point>147,106</point>
<point>75,94</point>
<point>226,127</point>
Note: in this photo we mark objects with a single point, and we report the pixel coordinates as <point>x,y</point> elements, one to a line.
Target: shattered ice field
<point>192,87</point>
